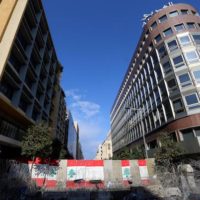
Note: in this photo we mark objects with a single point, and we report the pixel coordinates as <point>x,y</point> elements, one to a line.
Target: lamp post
<point>143,134</point>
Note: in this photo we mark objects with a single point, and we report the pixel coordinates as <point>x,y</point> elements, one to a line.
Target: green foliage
<point>37,142</point>
<point>137,153</point>
<point>168,151</point>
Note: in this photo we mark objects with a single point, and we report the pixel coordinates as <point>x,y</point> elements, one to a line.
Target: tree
<point>37,142</point>
<point>168,151</point>
<point>137,153</point>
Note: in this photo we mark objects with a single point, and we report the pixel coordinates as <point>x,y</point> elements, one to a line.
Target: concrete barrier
<point>88,174</point>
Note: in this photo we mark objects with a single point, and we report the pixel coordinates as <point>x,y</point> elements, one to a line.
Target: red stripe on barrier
<point>145,182</point>
<point>84,184</point>
<point>39,181</point>
<point>51,183</point>
<point>142,162</point>
<point>88,163</point>
<point>125,163</point>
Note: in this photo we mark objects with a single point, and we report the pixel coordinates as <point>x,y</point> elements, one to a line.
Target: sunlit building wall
<point>161,87</point>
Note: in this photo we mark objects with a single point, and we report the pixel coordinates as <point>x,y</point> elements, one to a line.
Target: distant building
<point>30,72</point>
<point>160,92</point>
<point>104,151</point>
<point>71,136</point>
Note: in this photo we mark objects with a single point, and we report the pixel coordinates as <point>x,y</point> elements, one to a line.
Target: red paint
<point>125,163</point>
<point>84,184</point>
<point>142,163</point>
<point>85,163</point>
<point>51,183</point>
<point>145,182</point>
<point>44,161</point>
<point>39,181</point>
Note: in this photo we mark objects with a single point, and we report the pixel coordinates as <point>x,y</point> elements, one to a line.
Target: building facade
<point>104,151</point>
<point>30,89</point>
<point>72,136</point>
<point>160,92</point>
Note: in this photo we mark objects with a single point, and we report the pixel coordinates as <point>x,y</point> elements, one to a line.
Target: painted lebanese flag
<point>143,172</point>
<point>126,169</point>
<point>80,173</point>
<point>85,169</point>
<point>44,174</point>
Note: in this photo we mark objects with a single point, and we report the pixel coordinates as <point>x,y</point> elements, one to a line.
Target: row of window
<point>153,120</point>
<point>168,32</point>
<point>179,27</point>
<point>172,14</point>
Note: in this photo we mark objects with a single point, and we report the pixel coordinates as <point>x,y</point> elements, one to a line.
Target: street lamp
<point>143,134</point>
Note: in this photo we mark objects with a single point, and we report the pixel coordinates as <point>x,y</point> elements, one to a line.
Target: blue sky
<point>94,41</point>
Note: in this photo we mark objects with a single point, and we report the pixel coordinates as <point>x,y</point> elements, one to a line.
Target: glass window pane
<point>179,27</point>
<point>154,25</point>
<point>184,12</point>
<point>168,32</point>
<point>184,40</point>
<point>188,134</point>
<point>196,38</point>
<point>163,18</point>
<point>191,99</point>
<point>184,78</point>
<point>178,105</point>
<point>191,56</point>
<point>167,67</point>
<point>171,83</point>
<point>196,75</point>
<point>173,14</point>
<point>190,25</point>
<point>158,38</point>
<point>178,61</point>
<point>172,45</point>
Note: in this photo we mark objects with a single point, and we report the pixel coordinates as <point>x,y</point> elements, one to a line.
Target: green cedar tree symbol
<point>126,172</point>
<point>52,172</point>
<point>71,173</point>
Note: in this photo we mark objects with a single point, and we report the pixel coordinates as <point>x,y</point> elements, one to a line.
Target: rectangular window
<point>154,25</point>
<point>192,100</point>
<point>184,80</point>
<point>163,18</point>
<point>172,45</point>
<point>184,12</point>
<point>178,61</point>
<point>173,14</point>
<point>191,25</point>
<point>192,56</point>
<point>167,67</point>
<point>167,32</point>
<point>178,106</point>
<point>158,38</point>
<point>185,40</point>
<point>195,13</point>
<point>187,134</point>
<point>196,38</point>
<point>168,109</point>
<point>179,27</point>
<point>171,83</point>
<point>162,51</point>
<point>197,76</point>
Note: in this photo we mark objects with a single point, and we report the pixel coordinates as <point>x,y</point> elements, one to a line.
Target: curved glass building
<point>161,88</point>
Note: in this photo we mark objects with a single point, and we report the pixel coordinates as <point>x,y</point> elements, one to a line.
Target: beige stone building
<point>104,151</point>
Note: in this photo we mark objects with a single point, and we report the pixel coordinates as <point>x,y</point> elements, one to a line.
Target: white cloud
<point>87,108</point>
<point>91,125</point>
